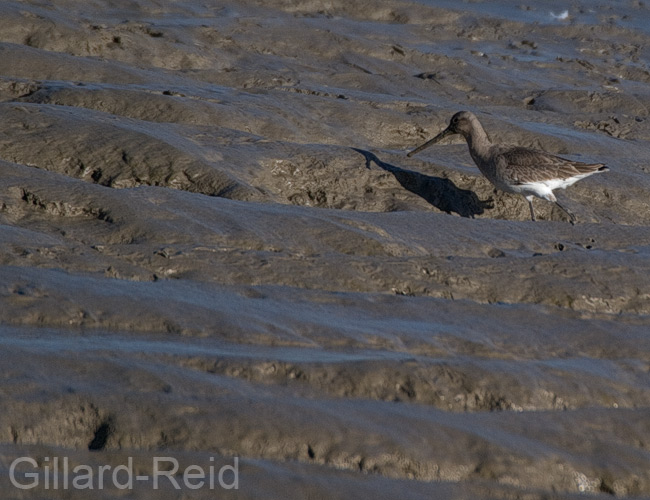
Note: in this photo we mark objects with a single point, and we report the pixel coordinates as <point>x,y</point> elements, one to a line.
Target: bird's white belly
<point>539,189</point>
<point>544,189</point>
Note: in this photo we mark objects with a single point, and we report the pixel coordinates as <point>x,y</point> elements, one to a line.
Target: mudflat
<point>215,256</point>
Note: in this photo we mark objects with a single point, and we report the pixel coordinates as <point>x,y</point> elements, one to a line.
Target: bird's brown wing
<point>528,165</point>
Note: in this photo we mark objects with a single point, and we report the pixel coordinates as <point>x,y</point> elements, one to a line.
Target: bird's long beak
<point>431,142</point>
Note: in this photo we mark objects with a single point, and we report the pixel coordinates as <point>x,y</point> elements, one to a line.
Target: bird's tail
<point>590,168</point>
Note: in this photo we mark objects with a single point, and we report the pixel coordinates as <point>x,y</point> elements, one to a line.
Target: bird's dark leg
<point>529,199</point>
<point>572,217</point>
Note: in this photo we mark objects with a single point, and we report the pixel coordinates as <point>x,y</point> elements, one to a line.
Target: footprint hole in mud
<point>496,253</point>
<point>102,433</point>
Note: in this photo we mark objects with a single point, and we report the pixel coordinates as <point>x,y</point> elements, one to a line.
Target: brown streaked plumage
<point>515,169</point>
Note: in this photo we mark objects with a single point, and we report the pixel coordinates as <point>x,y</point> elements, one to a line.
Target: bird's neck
<point>478,142</point>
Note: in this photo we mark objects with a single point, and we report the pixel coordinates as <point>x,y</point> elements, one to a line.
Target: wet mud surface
<point>213,245</point>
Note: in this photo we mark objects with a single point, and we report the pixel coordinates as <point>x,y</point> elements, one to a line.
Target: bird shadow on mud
<point>439,192</point>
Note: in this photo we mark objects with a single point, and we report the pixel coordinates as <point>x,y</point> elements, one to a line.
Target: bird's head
<point>461,123</point>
